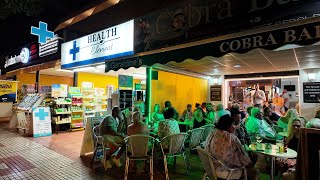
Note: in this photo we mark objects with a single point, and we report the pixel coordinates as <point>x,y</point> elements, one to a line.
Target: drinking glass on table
<point>258,138</point>
<point>280,145</point>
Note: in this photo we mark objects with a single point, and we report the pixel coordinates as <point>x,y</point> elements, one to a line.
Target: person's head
<point>209,107</point>
<point>189,107</point>
<point>257,86</point>
<point>294,127</point>
<point>156,108</point>
<point>197,105</point>
<point>115,111</point>
<point>317,113</point>
<point>169,113</point>
<point>226,123</point>
<point>272,107</point>
<point>257,113</point>
<point>267,112</point>
<point>136,117</point>
<point>236,115</point>
<point>167,104</point>
<point>285,90</point>
<point>249,110</point>
<point>276,95</point>
<point>236,105</point>
<point>291,114</point>
<point>137,109</point>
<point>203,105</point>
<point>259,106</point>
<point>219,107</point>
<point>230,104</point>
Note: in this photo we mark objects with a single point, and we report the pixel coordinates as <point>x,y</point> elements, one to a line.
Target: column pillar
<point>148,92</point>
<point>37,85</point>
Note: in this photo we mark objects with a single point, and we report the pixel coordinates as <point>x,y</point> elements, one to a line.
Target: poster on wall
<point>125,81</point>
<point>215,92</point>
<point>110,89</point>
<point>8,91</point>
<point>99,91</point>
<point>41,122</point>
<point>311,92</point>
<point>59,90</point>
<point>74,91</point>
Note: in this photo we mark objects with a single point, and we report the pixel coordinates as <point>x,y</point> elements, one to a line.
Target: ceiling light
<point>287,47</point>
<point>84,69</point>
<point>312,76</point>
<point>237,66</point>
<point>64,70</point>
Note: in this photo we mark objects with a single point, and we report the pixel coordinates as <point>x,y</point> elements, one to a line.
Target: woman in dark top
<point>198,119</point>
<point>293,132</point>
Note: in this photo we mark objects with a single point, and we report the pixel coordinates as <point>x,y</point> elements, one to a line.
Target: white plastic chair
<point>211,173</point>
<point>195,137</point>
<point>207,130</point>
<point>97,141</point>
<point>138,149</point>
<point>175,148</point>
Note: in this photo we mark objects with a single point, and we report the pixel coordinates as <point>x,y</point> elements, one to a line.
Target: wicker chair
<point>195,137</point>
<point>208,164</point>
<point>175,148</point>
<point>138,149</point>
<point>207,130</point>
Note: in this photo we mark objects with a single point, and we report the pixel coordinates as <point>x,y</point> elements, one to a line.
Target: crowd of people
<point>235,129</point>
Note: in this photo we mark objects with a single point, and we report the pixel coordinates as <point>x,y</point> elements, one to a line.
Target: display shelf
<point>77,119</point>
<point>31,101</point>
<point>63,103</point>
<point>78,111</point>
<point>68,112</point>
<point>90,104</point>
<point>77,129</point>
<point>77,104</point>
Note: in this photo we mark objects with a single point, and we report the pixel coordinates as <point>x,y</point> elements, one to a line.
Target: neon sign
<point>23,57</point>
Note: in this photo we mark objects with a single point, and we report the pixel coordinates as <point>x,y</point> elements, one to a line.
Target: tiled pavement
<point>57,157</point>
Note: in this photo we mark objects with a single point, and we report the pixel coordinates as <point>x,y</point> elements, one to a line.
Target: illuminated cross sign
<point>42,32</point>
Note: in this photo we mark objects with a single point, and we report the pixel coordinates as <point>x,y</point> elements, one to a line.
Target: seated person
<point>241,131</point>
<point>221,111</point>
<point>248,114</point>
<point>156,117</point>
<point>111,138</point>
<point>210,116</point>
<point>187,114</point>
<point>275,116</point>
<point>237,106</point>
<point>267,114</point>
<point>289,116</point>
<point>257,125</point>
<point>198,118</point>
<point>315,122</point>
<point>168,105</point>
<point>168,126</point>
<point>224,145</point>
<point>138,127</point>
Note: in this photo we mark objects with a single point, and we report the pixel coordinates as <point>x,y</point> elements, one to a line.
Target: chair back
<point>175,142</point>
<point>207,130</point>
<point>195,137</point>
<point>138,145</point>
<point>96,133</point>
<point>207,163</point>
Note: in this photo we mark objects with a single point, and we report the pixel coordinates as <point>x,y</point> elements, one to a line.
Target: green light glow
<point>149,86</point>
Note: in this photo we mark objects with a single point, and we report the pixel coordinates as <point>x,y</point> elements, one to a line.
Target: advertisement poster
<point>311,92</point>
<point>125,81</point>
<point>59,90</point>
<point>215,93</point>
<point>99,91</point>
<point>8,91</point>
<point>74,91</point>
<point>41,122</point>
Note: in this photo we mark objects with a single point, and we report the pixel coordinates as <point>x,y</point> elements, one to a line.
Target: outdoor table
<point>274,153</point>
<point>284,134</point>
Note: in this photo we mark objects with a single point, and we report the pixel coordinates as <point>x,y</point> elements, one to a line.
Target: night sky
<point>15,27</point>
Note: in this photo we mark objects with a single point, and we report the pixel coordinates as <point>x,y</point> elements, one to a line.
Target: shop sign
<point>215,92</point>
<point>192,20</point>
<point>41,122</point>
<point>125,81</point>
<point>311,92</point>
<point>23,57</point>
<point>110,43</point>
<point>50,47</point>
<point>8,91</point>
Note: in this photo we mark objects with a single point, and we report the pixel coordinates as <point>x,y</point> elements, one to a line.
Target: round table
<point>284,134</point>
<point>274,153</point>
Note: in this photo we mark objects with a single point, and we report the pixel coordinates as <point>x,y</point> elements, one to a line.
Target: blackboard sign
<point>215,93</point>
<point>311,92</point>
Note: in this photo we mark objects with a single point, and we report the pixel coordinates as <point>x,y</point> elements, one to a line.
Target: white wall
<point>292,94</point>
<point>307,109</point>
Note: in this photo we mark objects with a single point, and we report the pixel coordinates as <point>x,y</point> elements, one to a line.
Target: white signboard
<point>110,43</point>
<point>41,122</point>
<point>50,47</point>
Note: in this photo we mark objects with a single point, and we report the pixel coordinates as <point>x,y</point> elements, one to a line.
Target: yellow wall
<point>45,80</point>
<point>179,89</point>
<point>100,81</point>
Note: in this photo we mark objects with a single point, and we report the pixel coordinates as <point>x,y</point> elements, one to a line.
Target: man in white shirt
<point>285,98</point>
<point>258,96</point>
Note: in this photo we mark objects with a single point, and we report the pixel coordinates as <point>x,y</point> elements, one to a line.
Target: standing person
<point>258,96</point>
<point>168,105</point>
<point>278,101</point>
<point>112,139</point>
<point>285,97</point>
<point>224,145</point>
<point>211,115</point>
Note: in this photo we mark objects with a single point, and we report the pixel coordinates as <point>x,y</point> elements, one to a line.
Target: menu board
<point>215,92</point>
<point>41,122</point>
<point>59,90</point>
<point>311,92</point>
<point>125,81</point>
